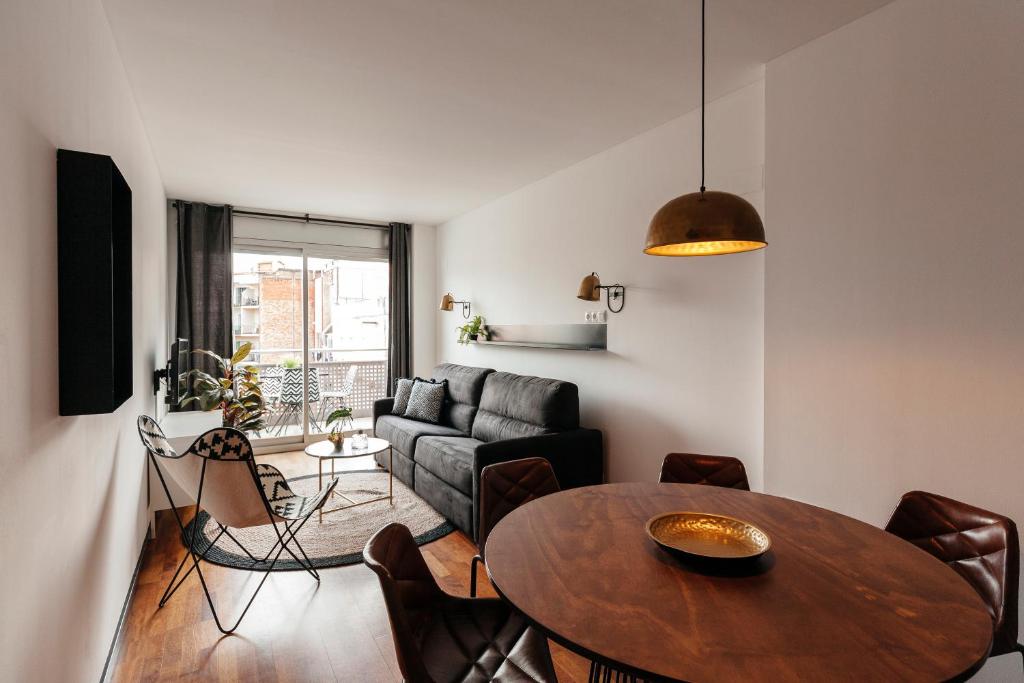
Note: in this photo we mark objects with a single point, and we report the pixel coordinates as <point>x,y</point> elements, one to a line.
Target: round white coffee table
<point>325,450</point>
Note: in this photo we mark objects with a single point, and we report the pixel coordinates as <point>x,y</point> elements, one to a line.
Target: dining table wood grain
<point>834,599</point>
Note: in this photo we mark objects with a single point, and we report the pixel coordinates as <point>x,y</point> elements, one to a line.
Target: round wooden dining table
<point>834,599</point>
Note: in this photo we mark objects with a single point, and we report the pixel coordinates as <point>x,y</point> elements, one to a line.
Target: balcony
<point>370,384</point>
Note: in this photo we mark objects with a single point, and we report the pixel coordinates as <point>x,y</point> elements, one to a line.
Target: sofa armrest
<point>382,406</point>
<point>576,455</point>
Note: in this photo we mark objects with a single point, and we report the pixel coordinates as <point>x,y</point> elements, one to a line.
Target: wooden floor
<point>296,629</point>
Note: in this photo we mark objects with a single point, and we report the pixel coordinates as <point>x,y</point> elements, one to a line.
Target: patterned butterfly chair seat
<point>218,471</point>
<point>228,494</point>
<point>285,503</point>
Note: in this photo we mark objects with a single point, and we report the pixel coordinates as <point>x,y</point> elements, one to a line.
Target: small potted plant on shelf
<point>237,392</point>
<point>340,421</point>
<point>474,330</point>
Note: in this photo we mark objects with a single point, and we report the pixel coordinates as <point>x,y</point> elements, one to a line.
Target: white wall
<point>684,367</point>
<point>895,328</point>
<point>72,512</point>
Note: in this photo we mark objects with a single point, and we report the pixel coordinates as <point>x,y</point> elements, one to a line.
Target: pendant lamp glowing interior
<point>704,223</point>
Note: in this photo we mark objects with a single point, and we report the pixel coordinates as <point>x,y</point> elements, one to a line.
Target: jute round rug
<point>340,538</point>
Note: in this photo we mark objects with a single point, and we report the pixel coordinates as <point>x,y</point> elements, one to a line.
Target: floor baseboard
<point>107,670</point>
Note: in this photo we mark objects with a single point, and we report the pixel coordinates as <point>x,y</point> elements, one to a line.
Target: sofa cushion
<point>465,386</point>
<point>426,400</point>
<point>449,458</point>
<point>514,406</point>
<point>403,388</point>
<point>403,432</point>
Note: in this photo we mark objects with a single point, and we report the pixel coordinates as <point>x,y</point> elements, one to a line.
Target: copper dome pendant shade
<point>705,223</point>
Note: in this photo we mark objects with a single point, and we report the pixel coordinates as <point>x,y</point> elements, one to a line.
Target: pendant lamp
<point>704,223</point>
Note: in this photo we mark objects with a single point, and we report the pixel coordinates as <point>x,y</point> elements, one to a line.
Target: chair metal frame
<point>288,537</point>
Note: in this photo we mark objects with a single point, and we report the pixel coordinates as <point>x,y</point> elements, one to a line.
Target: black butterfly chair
<point>236,492</point>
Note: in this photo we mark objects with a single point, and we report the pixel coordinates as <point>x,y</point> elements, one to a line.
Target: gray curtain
<point>204,280</point>
<point>400,299</point>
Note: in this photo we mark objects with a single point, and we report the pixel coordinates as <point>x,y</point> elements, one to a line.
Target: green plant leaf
<point>338,414</point>
<point>221,363</point>
<point>241,353</point>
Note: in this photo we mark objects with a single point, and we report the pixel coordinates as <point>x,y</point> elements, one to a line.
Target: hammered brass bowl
<point>707,535</point>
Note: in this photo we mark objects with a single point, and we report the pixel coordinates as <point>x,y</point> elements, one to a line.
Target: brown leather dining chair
<point>504,487</point>
<point>711,470</point>
<point>979,545</point>
<point>440,638</point>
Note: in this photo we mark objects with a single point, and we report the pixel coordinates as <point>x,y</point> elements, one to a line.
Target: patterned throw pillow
<point>403,388</point>
<point>426,401</point>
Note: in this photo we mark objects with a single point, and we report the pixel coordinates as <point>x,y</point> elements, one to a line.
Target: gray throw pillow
<point>403,388</point>
<point>426,401</point>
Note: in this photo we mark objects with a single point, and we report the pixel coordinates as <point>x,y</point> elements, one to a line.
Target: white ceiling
<point>420,110</point>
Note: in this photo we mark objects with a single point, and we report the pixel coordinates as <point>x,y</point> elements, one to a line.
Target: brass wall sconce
<point>590,290</point>
<point>447,302</point>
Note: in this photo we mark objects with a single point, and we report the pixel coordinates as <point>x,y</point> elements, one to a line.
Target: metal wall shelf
<point>585,337</point>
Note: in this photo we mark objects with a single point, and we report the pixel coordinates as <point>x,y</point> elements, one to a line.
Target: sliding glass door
<point>348,337</point>
<point>317,321</point>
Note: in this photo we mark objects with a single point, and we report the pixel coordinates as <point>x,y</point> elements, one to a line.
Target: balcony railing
<point>370,381</point>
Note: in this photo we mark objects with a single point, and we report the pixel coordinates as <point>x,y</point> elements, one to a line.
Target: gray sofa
<point>488,417</point>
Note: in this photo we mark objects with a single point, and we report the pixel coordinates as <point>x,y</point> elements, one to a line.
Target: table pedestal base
<point>600,673</point>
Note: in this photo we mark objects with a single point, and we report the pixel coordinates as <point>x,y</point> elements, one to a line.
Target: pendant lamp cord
<point>702,4</point>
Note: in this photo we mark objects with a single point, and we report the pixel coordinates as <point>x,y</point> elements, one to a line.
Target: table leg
<point>391,475</point>
<point>320,484</point>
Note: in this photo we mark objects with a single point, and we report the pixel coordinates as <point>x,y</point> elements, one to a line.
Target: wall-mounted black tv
<point>178,367</point>
<point>94,273</point>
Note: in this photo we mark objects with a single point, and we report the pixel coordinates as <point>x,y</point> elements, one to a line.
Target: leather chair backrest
<point>981,546</point>
<point>711,470</point>
<point>514,406</point>
<point>465,386</point>
<point>410,592</point>
<point>230,493</point>
<point>507,485</point>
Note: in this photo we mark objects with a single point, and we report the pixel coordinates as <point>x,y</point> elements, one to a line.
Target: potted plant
<point>340,420</point>
<point>473,330</point>
<point>236,392</point>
